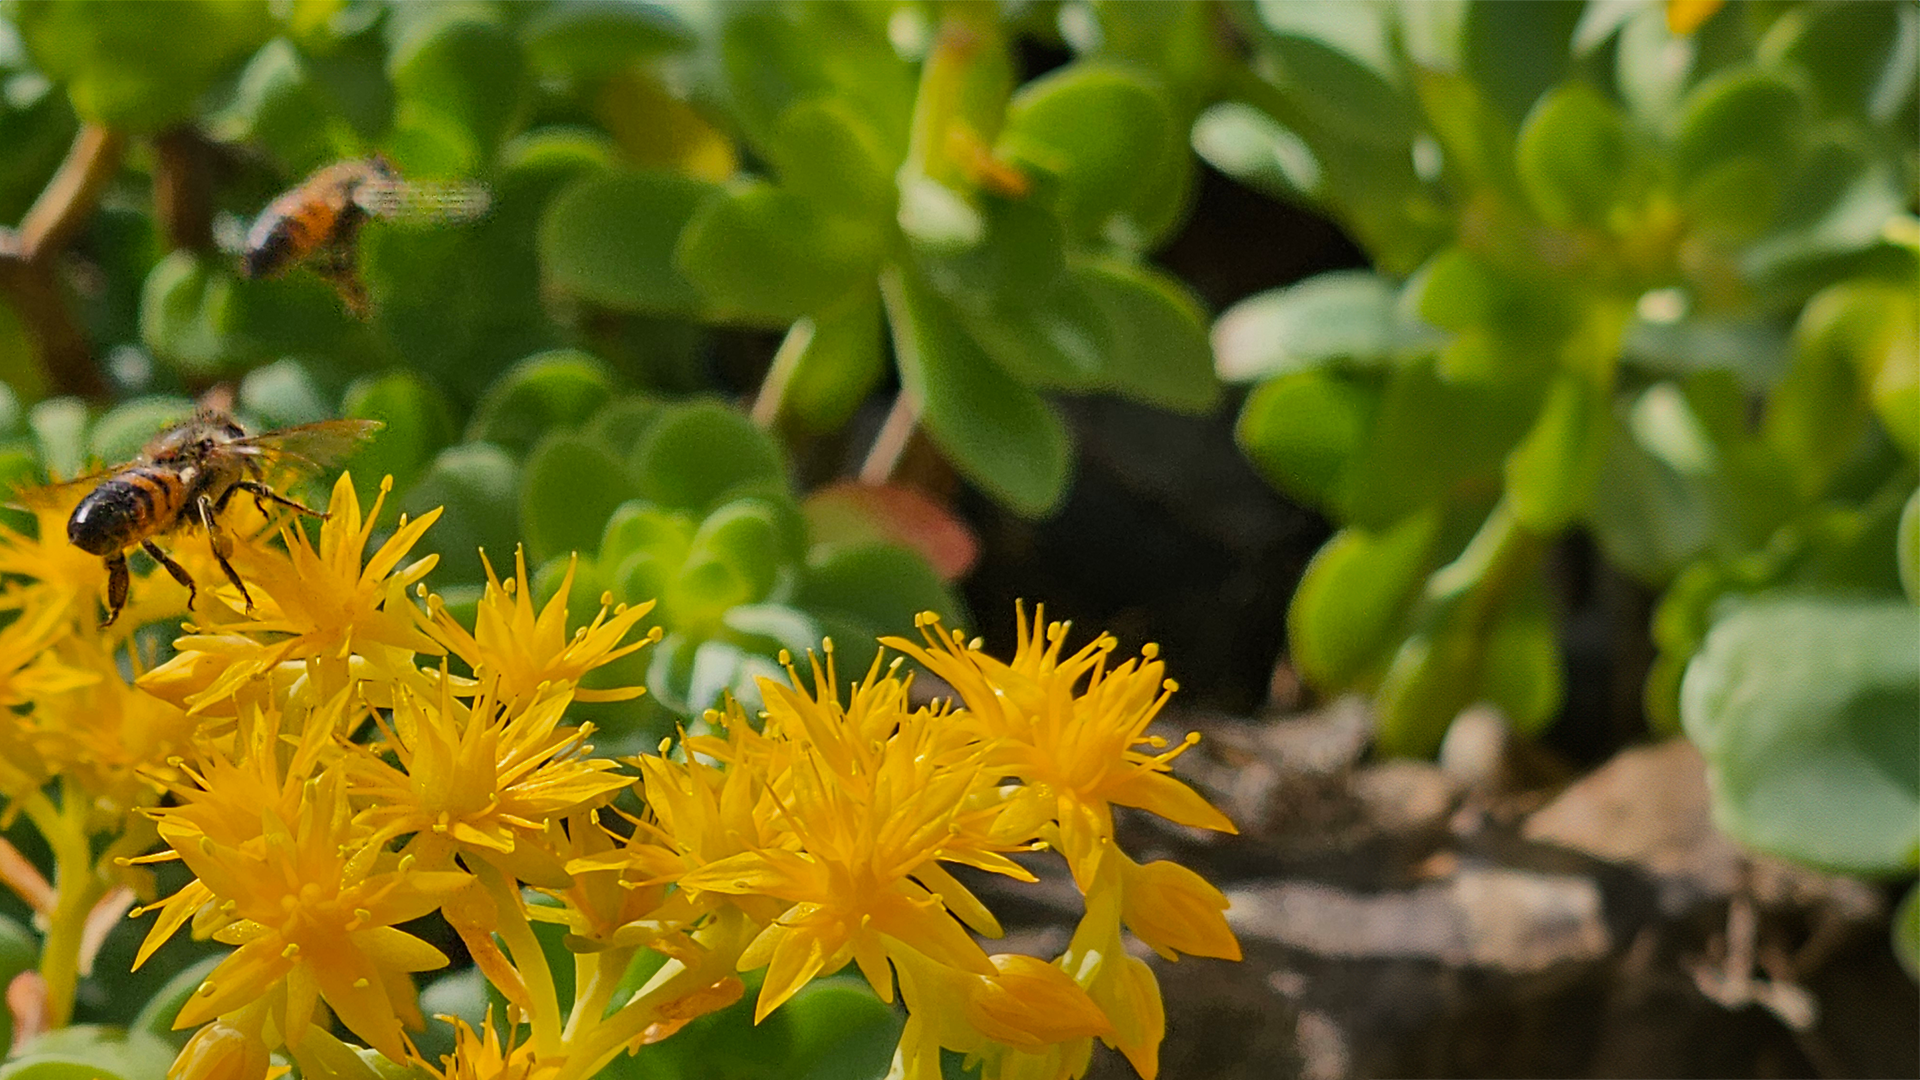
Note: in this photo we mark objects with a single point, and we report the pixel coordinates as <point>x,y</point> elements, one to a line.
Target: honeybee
<point>186,475</point>
<point>319,221</point>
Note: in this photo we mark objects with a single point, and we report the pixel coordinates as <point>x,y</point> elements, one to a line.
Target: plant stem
<point>27,256</point>
<point>773,388</point>
<point>528,957</point>
<point>76,889</point>
<point>903,419</point>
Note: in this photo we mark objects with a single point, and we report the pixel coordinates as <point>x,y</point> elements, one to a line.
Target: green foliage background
<point>1654,283</point>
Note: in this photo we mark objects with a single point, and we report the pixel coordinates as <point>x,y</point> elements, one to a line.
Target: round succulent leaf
<point>419,424</point>
<point>1858,58</point>
<point>122,430</point>
<point>1551,474</point>
<point>1302,431</point>
<point>1522,673</point>
<point>475,482</point>
<point>1354,597</point>
<point>279,107</point>
<point>1574,157</point>
<point>1432,436</point>
<point>84,1050</point>
<point>572,486</point>
<point>469,71</point>
<point>1158,352</point>
<point>1107,135</point>
<point>1804,706</point>
<point>59,427</point>
<point>1748,113</point>
<point>599,37</point>
<point>1259,151</point>
<point>1514,54</point>
<point>190,317</point>
<point>139,67</point>
<point>773,57</point>
<point>552,390</point>
<point>998,433</point>
<point>1341,316</point>
<point>850,512</point>
<point>620,424</point>
<point>1337,65</point>
<point>764,255</point>
<point>750,536</point>
<point>1431,678</point>
<point>638,526</point>
<point>610,240</point>
<point>882,584</point>
<point>827,153</point>
<point>697,453</point>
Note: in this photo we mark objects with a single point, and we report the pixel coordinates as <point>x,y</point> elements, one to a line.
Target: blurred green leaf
<point>1855,55</point>
<point>761,254</point>
<point>59,428</point>
<point>189,316</point>
<point>776,56</point>
<point>999,434</point>
<point>1522,669</point>
<point>156,1016</point>
<point>1550,475</point>
<point>697,454</point>
<point>610,240</point>
<point>279,107</point>
<point>1354,597</point>
<point>558,389</point>
<point>1515,53</point>
<point>84,1051</point>
<point>139,67</point>
<point>1735,142</point>
<point>1337,60</point>
<point>1258,151</point>
<point>837,364</point>
<point>476,482</point>
<point>1575,159</point>
<point>833,157</point>
<point>282,394</point>
<point>1303,430</point>
<point>597,37</point>
<point>569,490</point>
<point>419,424</point>
<point>1804,708</point>
<point>122,430</point>
<point>1107,135</point>
<point>1157,351</point>
<point>1433,438</point>
<point>466,75</point>
<point>1345,315</point>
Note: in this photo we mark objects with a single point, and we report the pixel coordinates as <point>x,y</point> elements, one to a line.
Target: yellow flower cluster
<point>344,759</point>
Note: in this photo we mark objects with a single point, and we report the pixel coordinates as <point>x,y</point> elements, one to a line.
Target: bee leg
<point>261,491</point>
<point>336,265</point>
<point>179,572</point>
<point>222,547</point>
<point>117,580</point>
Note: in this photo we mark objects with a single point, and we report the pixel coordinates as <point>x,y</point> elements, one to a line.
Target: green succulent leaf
<point>1804,707</point>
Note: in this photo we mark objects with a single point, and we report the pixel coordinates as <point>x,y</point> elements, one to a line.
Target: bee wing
<point>32,496</point>
<point>425,203</point>
<point>309,447</point>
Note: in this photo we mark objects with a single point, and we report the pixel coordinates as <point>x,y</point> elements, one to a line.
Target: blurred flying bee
<point>186,475</point>
<point>318,222</point>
